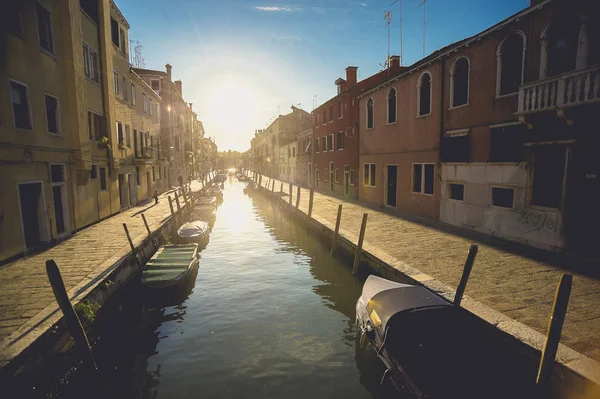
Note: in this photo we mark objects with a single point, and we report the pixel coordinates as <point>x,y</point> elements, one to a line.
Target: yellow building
<point>79,130</point>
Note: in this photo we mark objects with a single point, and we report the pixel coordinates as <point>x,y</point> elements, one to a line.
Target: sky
<point>243,62</point>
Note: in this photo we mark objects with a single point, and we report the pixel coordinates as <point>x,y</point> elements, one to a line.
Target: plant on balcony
<point>104,143</point>
<point>148,156</point>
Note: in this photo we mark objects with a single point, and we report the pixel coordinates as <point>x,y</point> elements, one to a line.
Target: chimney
<point>168,67</point>
<point>351,75</point>
<point>178,84</point>
<point>394,61</point>
<point>191,109</point>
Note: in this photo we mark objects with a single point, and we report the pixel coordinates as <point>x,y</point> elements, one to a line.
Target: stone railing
<point>566,90</point>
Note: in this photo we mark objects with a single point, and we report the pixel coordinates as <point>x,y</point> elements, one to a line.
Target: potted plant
<point>104,143</point>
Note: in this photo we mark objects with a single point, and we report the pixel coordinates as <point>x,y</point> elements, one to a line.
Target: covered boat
<point>215,191</point>
<point>434,349</point>
<point>194,232</point>
<point>205,208</point>
<point>170,266</point>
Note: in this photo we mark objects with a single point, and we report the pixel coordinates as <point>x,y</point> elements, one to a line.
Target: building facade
<point>336,125</point>
<point>304,158</point>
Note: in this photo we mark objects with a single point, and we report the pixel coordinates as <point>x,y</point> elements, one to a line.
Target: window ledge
<point>391,123</point>
<point>56,135</point>
<point>93,81</point>
<point>458,106</point>
<point>502,207</point>
<point>425,194</point>
<point>501,96</point>
<point>423,116</point>
<point>541,208</point>
<point>23,130</point>
<point>369,128</point>
<point>48,53</point>
<point>455,200</point>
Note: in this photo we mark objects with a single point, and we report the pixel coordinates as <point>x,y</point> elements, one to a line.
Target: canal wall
<point>37,347</point>
<point>572,376</point>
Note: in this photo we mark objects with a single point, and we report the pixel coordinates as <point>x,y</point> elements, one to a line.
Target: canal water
<point>270,315</point>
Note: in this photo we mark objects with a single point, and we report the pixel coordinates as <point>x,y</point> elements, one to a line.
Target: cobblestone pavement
<point>24,286</point>
<point>517,281</point>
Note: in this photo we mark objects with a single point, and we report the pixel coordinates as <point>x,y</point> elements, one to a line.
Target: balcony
<point>566,90</point>
<point>145,156</point>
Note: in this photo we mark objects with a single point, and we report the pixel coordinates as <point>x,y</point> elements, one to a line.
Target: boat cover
<point>169,264</point>
<point>381,299</point>
<point>206,201</point>
<point>193,229</point>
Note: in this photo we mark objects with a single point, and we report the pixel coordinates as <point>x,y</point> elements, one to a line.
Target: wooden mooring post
<point>336,232</point>
<point>555,325</point>
<point>465,275</point>
<point>73,323</point>
<point>310,201</point>
<point>133,250</point>
<point>273,186</point>
<point>361,238</point>
<point>173,220</point>
<point>178,207</point>
<point>154,243</point>
<point>297,197</point>
<point>281,188</point>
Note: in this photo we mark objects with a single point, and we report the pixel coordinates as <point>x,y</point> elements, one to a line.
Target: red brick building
<point>336,132</point>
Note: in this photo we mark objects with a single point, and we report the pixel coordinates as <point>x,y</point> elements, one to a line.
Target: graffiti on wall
<point>538,221</point>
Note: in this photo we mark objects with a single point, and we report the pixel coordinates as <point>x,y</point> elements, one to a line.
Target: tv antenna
<point>424,24</point>
<point>387,17</point>
<point>400,19</point>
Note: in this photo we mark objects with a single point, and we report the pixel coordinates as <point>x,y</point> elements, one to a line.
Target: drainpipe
<point>73,186</point>
<point>358,171</point>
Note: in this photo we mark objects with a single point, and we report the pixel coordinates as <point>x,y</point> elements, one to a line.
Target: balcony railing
<point>567,90</point>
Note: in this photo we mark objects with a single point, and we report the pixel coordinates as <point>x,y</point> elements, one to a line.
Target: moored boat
<point>194,232</point>
<point>434,349</point>
<point>170,266</point>
<point>205,208</point>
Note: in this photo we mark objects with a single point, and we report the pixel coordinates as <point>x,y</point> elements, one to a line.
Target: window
<point>150,106</point>
<point>457,191</point>
<point>123,42</point>
<point>138,180</point>
<point>455,146</point>
<point>153,174</point>
<point>155,84</point>
<point>114,31</point>
<point>133,94</point>
<point>340,109</point>
<point>95,126</point>
<point>125,96</point>
<point>293,152</point>
<point>94,172</point>
<point>370,113</point>
<point>325,174</point>
<point>52,114</point>
<point>144,105</point>
<point>324,115</point>
<point>116,82</point>
<point>459,82</point>
<point>177,143</point>
<point>127,136</point>
<point>510,63</point>
<point>369,174</point>
<point>316,120</point>
<point>317,145</point>
<point>337,175</point>
<point>423,175</point>
<point>330,143</point>
<point>102,179</point>
<point>351,177</point>
<point>424,94</point>
<point>324,149</point>
<point>316,173</point>
<point>19,97</point>
<point>90,63</point>
<point>120,133</point>
<point>391,100</point>
<point>44,22</point>
<point>331,113</point>
<point>340,140</point>
<point>502,197</point>
<point>563,40</point>
<point>548,175</point>
<point>57,173</point>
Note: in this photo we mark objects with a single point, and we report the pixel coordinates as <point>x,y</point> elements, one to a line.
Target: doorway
<point>392,182</point>
<point>132,189</point>
<point>32,206</point>
<point>346,181</point>
<point>331,175</point>
<point>582,214</point>
<point>149,185</point>
<point>123,191</point>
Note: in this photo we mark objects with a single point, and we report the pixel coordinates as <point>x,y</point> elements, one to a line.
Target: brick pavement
<point>517,281</point>
<point>24,287</point>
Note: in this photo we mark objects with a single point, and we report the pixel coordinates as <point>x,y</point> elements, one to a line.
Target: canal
<point>270,315</point>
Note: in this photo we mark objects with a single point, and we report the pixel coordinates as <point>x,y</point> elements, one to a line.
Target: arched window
<point>510,63</point>
<point>370,113</point>
<point>424,94</point>
<point>563,38</point>
<point>459,81</point>
<point>391,101</point>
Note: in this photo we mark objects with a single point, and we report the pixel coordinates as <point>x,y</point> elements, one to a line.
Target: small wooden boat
<point>194,232</point>
<point>216,192</point>
<point>205,208</point>
<point>170,266</point>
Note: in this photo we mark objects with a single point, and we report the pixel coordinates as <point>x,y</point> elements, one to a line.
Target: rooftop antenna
<point>387,17</point>
<point>424,23</point>
<point>315,103</point>
<point>400,19</point>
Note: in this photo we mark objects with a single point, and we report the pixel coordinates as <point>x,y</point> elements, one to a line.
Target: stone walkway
<point>517,281</point>
<point>24,287</point>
